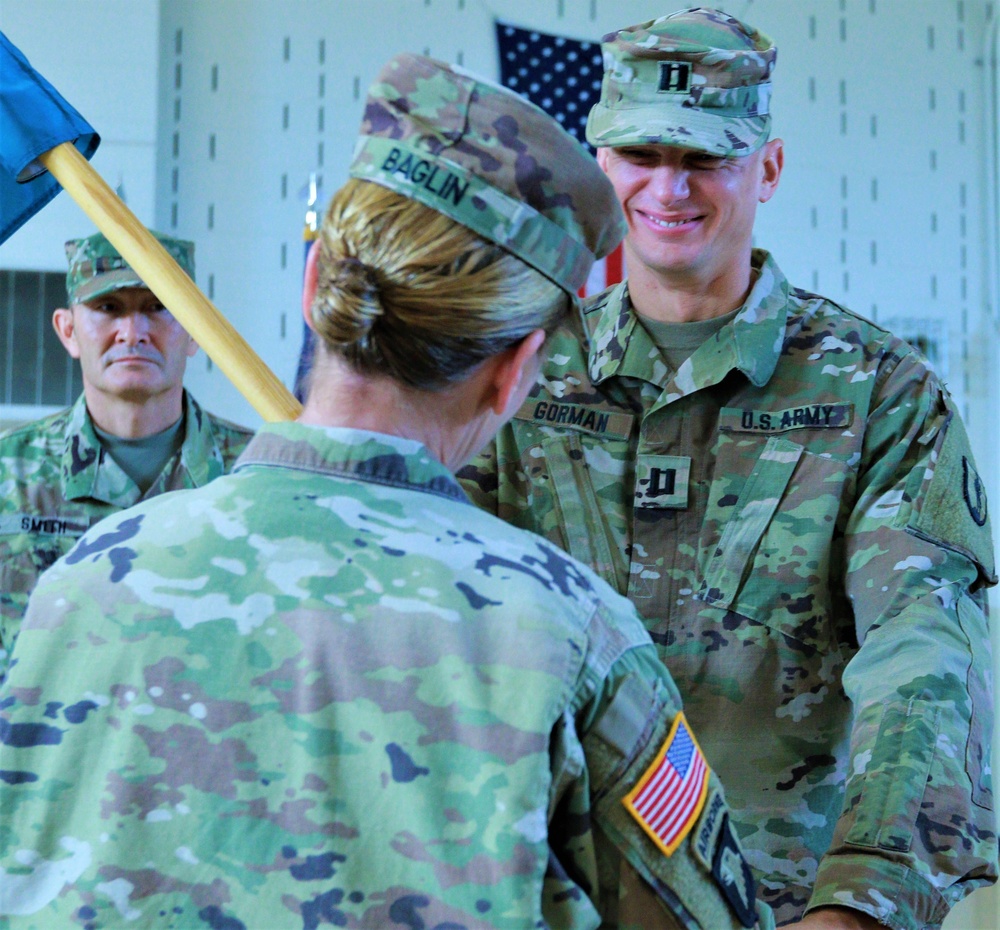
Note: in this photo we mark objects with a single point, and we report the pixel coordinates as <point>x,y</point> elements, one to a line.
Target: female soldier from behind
<point>326,688</point>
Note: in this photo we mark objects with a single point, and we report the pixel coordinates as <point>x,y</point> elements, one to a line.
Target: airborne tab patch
<point>670,794</point>
<point>709,828</point>
<point>810,416</point>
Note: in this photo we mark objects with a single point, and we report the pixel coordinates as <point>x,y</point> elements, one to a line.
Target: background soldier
<point>786,493</point>
<point>133,433</point>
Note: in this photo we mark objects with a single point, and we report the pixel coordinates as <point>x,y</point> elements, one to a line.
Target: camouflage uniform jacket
<point>796,514</point>
<point>56,481</point>
<point>327,689</point>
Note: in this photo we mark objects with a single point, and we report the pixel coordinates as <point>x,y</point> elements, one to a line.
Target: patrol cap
<point>490,160</point>
<point>698,79</point>
<point>96,267</point>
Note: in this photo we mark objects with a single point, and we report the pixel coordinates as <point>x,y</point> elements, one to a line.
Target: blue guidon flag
<point>561,76</point>
<point>668,798</point>
<point>33,119</point>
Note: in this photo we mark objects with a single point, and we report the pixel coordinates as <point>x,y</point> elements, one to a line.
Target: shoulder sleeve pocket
<point>979,682</point>
<point>896,776</point>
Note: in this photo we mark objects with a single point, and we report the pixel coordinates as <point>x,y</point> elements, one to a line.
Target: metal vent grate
<point>35,370</point>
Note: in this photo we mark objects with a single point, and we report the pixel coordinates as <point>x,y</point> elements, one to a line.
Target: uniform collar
<point>84,459</point>
<point>201,457</point>
<point>376,458</point>
<point>88,472</point>
<point>751,343</point>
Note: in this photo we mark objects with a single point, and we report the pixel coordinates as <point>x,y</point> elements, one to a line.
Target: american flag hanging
<point>563,77</point>
<point>671,793</point>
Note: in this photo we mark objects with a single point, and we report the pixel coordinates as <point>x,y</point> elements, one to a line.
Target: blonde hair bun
<point>355,289</point>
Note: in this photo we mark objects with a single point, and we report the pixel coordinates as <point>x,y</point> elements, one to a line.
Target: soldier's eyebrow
<point>107,304</point>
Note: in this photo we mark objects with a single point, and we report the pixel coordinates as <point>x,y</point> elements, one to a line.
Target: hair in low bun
<point>406,292</point>
<point>351,303</point>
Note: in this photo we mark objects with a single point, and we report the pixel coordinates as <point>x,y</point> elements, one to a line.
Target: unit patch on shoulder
<point>974,491</point>
<point>953,510</point>
<point>670,795</point>
<point>731,871</point>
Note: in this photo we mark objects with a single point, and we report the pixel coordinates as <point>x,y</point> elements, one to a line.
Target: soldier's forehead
<point>662,147</point>
<point>140,293</point>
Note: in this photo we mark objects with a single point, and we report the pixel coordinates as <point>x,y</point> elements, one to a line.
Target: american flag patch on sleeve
<point>668,798</point>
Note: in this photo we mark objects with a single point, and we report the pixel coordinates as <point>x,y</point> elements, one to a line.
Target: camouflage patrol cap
<point>96,267</point>
<point>697,78</point>
<point>490,160</point>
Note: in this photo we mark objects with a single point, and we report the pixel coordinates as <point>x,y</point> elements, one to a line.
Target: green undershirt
<point>143,459</point>
<point>678,341</point>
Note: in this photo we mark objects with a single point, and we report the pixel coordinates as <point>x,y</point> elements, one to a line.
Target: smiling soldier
<point>134,432</point>
<point>786,493</point>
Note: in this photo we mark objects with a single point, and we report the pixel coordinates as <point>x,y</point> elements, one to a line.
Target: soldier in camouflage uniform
<point>133,433</point>
<point>784,490</point>
<point>326,689</point>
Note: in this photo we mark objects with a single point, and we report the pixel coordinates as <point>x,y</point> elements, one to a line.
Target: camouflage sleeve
<point>12,607</point>
<point>24,557</point>
<point>637,815</point>
<point>917,832</point>
<point>19,571</point>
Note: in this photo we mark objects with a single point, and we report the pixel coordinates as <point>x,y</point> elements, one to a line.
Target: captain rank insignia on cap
<point>675,77</point>
<point>669,797</point>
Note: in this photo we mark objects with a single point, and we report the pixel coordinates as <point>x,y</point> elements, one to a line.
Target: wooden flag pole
<point>195,312</point>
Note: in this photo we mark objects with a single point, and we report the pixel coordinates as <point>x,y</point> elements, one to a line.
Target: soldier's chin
<point>133,384</point>
<point>137,374</point>
<point>135,394</point>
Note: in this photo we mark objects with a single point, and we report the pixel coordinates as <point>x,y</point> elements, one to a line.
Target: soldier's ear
<point>514,377</point>
<point>772,161</point>
<point>309,283</point>
<point>64,324</point>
